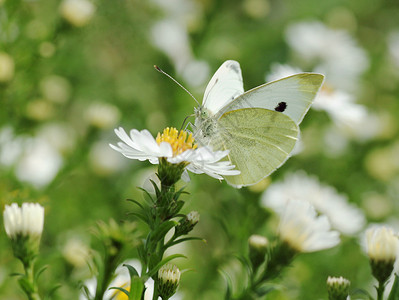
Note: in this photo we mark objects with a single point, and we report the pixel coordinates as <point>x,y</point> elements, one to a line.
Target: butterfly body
<point>259,127</point>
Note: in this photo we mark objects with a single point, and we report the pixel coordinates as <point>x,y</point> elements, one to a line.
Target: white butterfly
<point>260,126</point>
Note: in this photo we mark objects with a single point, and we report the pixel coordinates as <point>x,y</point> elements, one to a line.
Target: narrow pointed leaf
<point>162,262</point>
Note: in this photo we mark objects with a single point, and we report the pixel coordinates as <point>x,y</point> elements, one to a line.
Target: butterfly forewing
<point>259,141</point>
<point>225,85</point>
<point>291,95</point>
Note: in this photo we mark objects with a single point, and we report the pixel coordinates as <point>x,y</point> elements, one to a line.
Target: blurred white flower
<point>77,12</point>
<point>26,220</point>
<point>343,216</point>
<point>177,147</point>
<point>6,67</point>
<point>303,230</point>
<point>39,164</point>
<point>335,52</point>
<point>170,35</point>
<point>102,115</point>
<point>11,147</point>
<point>55,88</point>
<point>103,160</point>
<point>61,136</point>
<point>393,47</point>
<point>76,252</point>
<point>338,287</point>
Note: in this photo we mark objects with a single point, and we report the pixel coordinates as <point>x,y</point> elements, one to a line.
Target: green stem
<point>380,290</point>
<point>32,291</point>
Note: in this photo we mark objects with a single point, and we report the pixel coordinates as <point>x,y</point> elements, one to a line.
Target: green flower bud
<point>169,278</point>
<point>258,246</point>
<point>338,288</point>
<point>187,223</point>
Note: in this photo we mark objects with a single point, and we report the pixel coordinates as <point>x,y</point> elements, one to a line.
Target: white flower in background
<point>77,12</point>
<point>11,147</point>
<point>335,52</point>
<point>76,252</point>
<point>26,220</point>
<point>39,163</point>
<point>60,135</point>
<point>102,115</point>
<point>393,47</point>
<point>6,67</point>
<point>303,230</point>
<point>176,147</point>
<point>55,88</point>
<point>103,160</point>
<point>343,216</point>
<point>170,35</point>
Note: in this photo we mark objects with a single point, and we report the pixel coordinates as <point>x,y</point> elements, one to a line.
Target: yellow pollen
<point>179,140</point>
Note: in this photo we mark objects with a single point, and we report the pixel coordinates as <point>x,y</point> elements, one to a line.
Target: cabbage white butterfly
<point>260,126</point>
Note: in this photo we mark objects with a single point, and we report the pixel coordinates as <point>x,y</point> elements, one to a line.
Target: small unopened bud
<point>258,246</point>
<point>169,278</point>
<point>24,226</point>
<point>382,246</point>
<point>187,223</point>
<point>338,288</point>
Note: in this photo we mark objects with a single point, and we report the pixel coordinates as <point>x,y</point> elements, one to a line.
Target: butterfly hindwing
<point>259,141</point>
<point>292,96</point>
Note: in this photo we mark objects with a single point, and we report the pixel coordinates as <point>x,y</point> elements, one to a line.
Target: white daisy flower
<point>176,147</point>
<point>303,230</point>
<point>344,217</point>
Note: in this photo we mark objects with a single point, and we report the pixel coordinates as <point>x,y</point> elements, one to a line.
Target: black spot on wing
<point>282,106</point>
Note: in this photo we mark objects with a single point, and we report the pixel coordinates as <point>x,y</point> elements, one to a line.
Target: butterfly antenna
<point>175,81</point>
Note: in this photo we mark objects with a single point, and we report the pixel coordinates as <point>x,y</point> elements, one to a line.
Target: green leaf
<point>192,238</point>
<point>40,272</point>
<point>135,201</point>
<point>50,294</point>
<point>162,262</point>
<point>263,290</point>
<point>395,289</point>
<point>126,292</point>
<point>141,216</point>
<point>163,229</point>
<point>132,270</point>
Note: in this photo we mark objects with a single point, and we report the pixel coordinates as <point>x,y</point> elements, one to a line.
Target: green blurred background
<point>70,73</point>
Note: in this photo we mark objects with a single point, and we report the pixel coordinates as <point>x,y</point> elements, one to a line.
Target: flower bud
<point>258,246</point>
<point>338,288</point>
<point>382,246</point>
<point>187,223</point>
<point>24,226</point>
<point>169,278</point>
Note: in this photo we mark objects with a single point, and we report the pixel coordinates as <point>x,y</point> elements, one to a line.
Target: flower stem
<point>28,283</point>
<point>380,290</point>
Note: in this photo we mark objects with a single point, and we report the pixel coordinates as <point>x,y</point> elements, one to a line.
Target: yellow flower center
<point>179,140</point>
